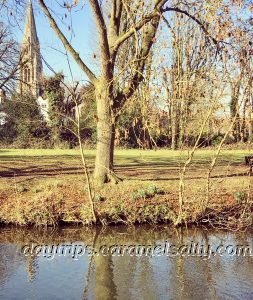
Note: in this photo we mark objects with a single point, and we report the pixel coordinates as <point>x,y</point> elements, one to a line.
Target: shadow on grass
<point>188,178</point>
<point>158,168</point>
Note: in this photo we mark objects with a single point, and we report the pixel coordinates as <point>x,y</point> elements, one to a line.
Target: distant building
<point>31,62</point>
<point>44,108</point>
<point>3,115</point>
<point>31,68</point>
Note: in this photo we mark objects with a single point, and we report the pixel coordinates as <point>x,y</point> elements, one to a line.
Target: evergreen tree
<point>54,92</point>
<point>24,124</point>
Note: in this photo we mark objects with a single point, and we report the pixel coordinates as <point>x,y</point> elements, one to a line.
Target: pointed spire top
<point>30,26</point>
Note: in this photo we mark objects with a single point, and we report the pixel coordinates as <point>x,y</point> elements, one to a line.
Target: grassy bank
<point>46,187</point>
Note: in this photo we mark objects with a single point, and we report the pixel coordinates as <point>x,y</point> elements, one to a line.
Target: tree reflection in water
<point>123,277</point>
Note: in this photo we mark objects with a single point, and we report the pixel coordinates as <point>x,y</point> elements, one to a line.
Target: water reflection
<point>123,277</point>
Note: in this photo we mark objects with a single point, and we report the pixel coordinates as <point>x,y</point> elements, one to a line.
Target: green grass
<point>126,155</point>
<point>134,163</point>
<point>36,167</point>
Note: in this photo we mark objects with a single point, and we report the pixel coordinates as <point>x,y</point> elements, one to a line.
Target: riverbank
<point>47,188</point>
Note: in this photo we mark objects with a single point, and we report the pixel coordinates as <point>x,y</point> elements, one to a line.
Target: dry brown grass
<point>49,189</point>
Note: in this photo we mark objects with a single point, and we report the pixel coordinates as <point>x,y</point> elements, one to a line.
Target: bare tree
<point>127,21</point>
<point>118,24</point>
<point>9,59</point>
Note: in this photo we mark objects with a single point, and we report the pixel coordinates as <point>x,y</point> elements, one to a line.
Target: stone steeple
<point>31,63</point>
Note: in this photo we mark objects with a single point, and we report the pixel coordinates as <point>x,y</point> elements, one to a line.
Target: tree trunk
<point>250,138</point>
<point>112,147</point>
<point>250,118</point>
<point>243,125</point>
<point>234,111</point>
<point>174,127</point>
<point>104,152</point>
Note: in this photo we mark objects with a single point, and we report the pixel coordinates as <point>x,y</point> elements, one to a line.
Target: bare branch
<point>202,25</point>
<point>140,64</point>
<point>66,43</point>
<point>146,19</point>
<point>103,38</point>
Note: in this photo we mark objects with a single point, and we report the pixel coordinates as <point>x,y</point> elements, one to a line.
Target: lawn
<point>51,181</point>
<point>157,165</point>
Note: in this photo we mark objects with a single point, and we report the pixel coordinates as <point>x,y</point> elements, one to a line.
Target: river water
<point>125,263</point>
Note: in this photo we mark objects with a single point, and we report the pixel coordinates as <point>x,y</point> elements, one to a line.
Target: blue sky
<point>83,38</point>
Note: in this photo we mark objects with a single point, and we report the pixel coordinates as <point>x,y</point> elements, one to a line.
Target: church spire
<point>31,63</point>
<point>30,26</point>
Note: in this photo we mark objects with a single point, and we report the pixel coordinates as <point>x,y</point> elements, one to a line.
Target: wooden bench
<point>249,163</point>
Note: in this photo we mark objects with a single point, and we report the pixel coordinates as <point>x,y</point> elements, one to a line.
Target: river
<point>141,262</point>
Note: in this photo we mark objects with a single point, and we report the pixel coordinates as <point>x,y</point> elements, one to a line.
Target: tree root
<point>112,177</point>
